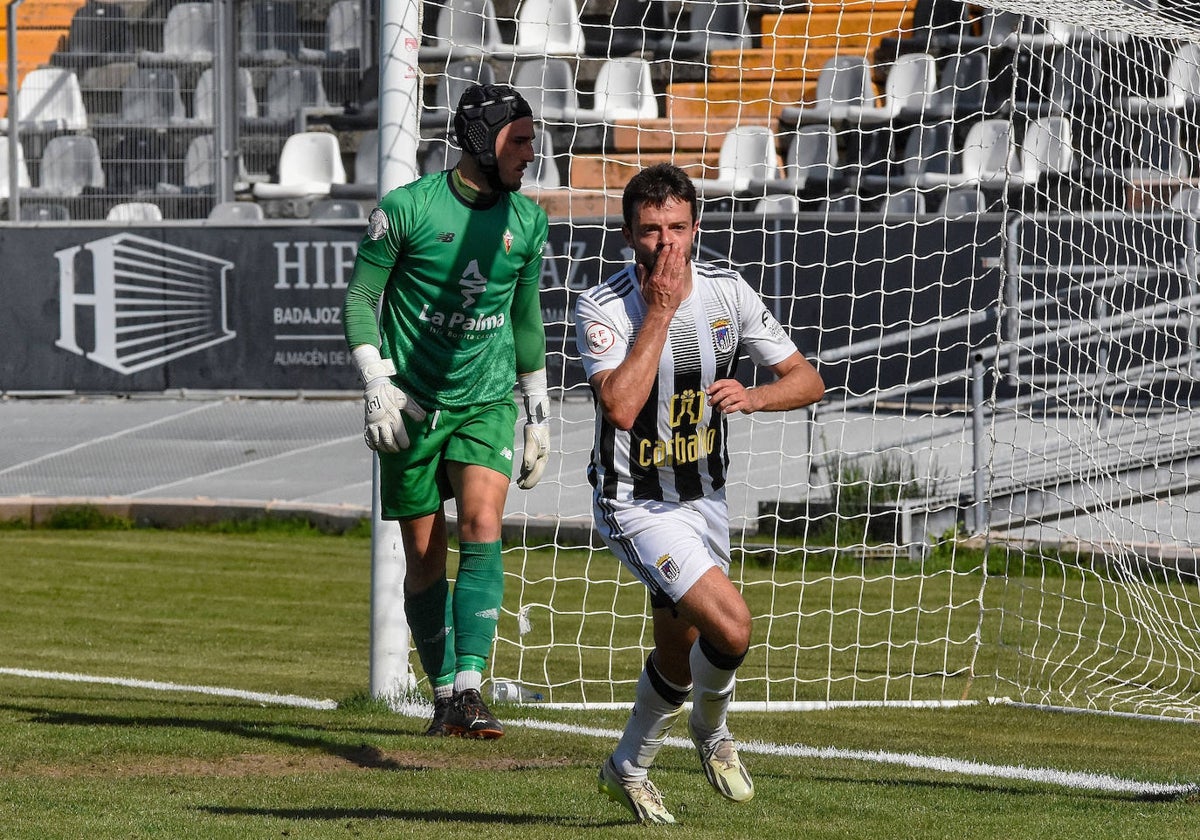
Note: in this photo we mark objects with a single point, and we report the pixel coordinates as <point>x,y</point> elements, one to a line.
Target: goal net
<point>981,223</point>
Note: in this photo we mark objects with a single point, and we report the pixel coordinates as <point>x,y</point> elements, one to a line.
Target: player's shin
<point>428,614</point>
<point>655,710</point>
<point>713,677</point>
<point>478,594</point>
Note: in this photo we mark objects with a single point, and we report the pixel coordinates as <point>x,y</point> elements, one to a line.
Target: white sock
<point>655,708</point>
<point>713,688</point>
<point>467,679</point>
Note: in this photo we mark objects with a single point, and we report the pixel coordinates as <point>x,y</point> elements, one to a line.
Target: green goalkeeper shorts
<point>413,482</point>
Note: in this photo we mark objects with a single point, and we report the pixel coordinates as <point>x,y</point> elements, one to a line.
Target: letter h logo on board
<point>150,302</point>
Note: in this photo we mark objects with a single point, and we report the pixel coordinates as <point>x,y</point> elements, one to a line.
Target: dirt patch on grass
<point>292,764</point>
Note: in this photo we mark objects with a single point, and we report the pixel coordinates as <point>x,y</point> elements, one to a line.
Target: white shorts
<point>666,545</point>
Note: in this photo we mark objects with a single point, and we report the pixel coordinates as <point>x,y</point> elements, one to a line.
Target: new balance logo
<point>446,236</point>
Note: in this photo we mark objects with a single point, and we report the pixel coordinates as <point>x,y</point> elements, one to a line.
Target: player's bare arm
<point>623,390</point>
<point>797,384</point>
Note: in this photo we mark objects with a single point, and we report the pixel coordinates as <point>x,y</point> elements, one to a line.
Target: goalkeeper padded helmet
<point>482,111</point>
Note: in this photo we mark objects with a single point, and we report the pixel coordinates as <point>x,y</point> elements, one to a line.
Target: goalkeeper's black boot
<point>469,717</point>
<point>437,725</point>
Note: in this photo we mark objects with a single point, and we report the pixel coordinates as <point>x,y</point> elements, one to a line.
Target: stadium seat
<point>1046,150</point>
<point>295,93</point>
<point>134,211</point>
<point>49,99</point>
<point>1187,201</point>
<point>1011,30</point>
<point>1156,146</point>
<point>903,158</point>
<point>546,28</point>
<point>810,164</point>
<point>846,203</point>
<point>938,27</point>
<point>309,164</point>
<point>43,212</point>
<point>635,27</point>
<point>777,205</point>
<point>548,84</point>
<point>905,204</point>
<point>344,49</point>
<point>137,163</point>
<point>335,209</point>
<point>70,166</point>
<point>365,180</point>
<point>909,86</point>
<point>457,77</point>
<point>151,97</point>
<point>843,83</point>
<point>204,97</point>
<point>709,25</point>
<point>624,90</point>
<point>1182,84</point>
<point>748,157</point>
<point>988,158</point>
<point>270,33</point>
<point>188,36</point>
<point>963,201</point>
<point>437,156</point>
<point>99,34</point>
<point>464,28</point>
<point>963,87</point>
<point>201,167</point>
<point>23,182</point>
<point>235,212</point>
<point>542,174</point>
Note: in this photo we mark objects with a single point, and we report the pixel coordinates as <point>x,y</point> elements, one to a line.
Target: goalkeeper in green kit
<point>455,258</point>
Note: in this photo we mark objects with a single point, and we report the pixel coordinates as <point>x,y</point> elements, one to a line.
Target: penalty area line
<point>156,685</point>
<point>1043,775</point>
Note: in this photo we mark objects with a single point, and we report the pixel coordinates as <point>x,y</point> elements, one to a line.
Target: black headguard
<point>482,111</point>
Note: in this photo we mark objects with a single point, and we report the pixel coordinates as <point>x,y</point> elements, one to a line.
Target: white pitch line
<point>1044,775</point>
<point>155,685</point>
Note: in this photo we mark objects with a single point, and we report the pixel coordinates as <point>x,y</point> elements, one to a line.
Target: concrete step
<point>748,101</point>
<point>760,65</point>
<point>610,173</point>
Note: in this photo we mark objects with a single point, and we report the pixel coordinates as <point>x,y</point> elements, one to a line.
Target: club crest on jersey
<point>508,240</point>
<point>722,331</point>
<point>668,568</point>
<point>377,225</point>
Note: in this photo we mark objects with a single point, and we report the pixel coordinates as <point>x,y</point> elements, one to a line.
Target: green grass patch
<point>289,612</point>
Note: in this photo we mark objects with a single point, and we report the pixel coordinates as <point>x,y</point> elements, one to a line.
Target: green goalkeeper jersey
<point>460,313</point>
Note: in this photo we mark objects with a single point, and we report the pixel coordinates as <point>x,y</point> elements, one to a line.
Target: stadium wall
<point>106,309</point>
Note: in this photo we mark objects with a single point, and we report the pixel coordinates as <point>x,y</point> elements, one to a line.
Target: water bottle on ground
<point>509,691</point>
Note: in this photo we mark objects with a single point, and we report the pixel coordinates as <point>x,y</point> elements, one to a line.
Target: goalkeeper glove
<point>537,429</point>
<point>383,402</point>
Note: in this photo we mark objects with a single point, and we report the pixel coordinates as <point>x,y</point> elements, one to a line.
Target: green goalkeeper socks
<point>428,615</point>
<point>478,593</point>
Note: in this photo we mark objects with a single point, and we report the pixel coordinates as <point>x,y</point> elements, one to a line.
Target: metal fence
<point>161,109</point>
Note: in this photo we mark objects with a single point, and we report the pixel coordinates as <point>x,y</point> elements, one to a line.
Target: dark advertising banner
<point>115,310</point>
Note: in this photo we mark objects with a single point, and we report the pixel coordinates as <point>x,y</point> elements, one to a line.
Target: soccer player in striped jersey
<point>660,340</point>
<point>452,262</point>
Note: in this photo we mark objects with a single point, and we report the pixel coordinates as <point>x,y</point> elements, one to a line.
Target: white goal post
<point>982,223</point>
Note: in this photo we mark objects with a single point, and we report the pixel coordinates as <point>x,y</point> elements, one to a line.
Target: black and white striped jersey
<point>676,450</point>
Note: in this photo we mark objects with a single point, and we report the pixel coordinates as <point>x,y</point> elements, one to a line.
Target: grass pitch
<point>287,613</point>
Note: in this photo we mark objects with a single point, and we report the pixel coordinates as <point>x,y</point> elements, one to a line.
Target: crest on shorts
<point>668,568</point>
<point>722,331</point>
